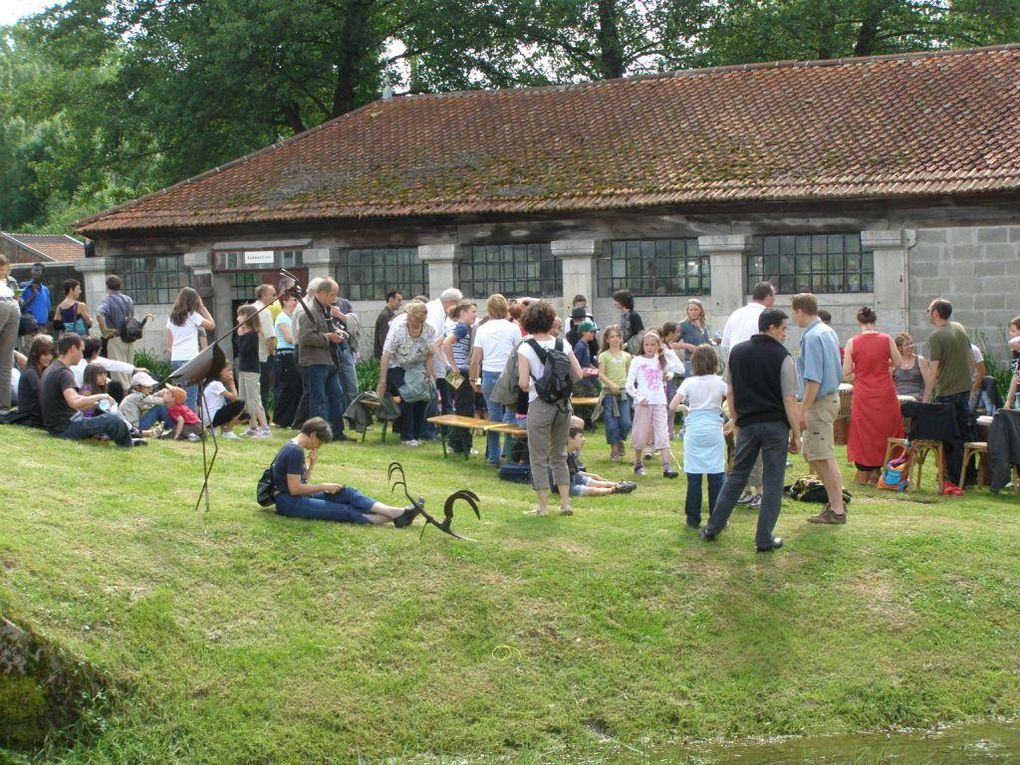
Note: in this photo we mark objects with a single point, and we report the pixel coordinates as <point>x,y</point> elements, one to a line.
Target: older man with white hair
<point>317,343</point>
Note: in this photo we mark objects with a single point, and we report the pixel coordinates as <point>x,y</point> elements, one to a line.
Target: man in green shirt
<point>951,362</point>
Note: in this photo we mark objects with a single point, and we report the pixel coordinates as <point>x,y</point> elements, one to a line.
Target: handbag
<point>28,325</point>
<point>265,487</point>
<point>418,386</point>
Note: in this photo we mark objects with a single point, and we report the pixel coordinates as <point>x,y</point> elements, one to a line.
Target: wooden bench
<point>511,429</point>
<point>458,421</point>
<point>385,423</point>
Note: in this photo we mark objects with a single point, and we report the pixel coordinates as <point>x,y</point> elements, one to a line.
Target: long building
<point>882,181</point>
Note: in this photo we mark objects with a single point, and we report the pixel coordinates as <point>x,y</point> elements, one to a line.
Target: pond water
<point>976,744</point>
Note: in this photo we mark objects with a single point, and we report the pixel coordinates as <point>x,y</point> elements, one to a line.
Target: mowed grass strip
<point>239,637</point>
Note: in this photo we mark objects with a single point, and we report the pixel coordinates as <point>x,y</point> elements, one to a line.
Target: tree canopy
<point>104,100</point>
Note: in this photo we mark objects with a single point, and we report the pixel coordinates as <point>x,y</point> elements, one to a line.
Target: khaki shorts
<point>818,442</point>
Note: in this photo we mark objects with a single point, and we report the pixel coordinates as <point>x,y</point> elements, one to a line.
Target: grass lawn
<point>242,637</point>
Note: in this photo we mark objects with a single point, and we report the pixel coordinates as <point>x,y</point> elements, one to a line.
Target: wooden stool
<point>970,448</point>
<point>918,452</point>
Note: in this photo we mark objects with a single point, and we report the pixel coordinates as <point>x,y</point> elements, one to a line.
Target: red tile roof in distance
<point>890,126</point>
<point>51,247</point>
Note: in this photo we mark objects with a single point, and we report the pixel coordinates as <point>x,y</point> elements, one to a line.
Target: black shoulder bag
<point>265,487</point>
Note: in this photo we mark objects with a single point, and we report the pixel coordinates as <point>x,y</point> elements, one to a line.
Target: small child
<point>221,406</point>
<point>704,430</point>
<point>143,409</point>
<point>248,370</point>
<point>614,363</point>
<point>647,387</point>
<point>94,380</point>
<point>584,484</point>
<point>186,424</point>
<point>670,334</point>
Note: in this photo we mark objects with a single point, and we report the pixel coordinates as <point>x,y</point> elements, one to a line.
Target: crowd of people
<point>514,362</point>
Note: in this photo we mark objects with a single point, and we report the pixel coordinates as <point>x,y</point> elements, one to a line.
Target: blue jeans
<point>770,440</point>
<point>348,374</point>
<point>151,417</point>
<point>346,506</point>
<point>110,425</point>
<point>617,426</point>
<point>497,413</point>
<point>693,507</point>
<point>191,390</point>
<point>326,395</point>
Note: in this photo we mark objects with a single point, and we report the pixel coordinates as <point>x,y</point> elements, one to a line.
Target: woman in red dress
<point>874,409</point>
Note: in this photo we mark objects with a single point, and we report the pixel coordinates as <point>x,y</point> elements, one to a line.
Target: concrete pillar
<point>578,256</point>
<point>728,261</point>
<point>891,275</point>
<point>441,260</point>
<point>94,272</point>
<point>318,262</point>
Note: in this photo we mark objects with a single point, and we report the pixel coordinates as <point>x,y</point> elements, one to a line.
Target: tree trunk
<point>867,35</point>
<point>354,37</point>
<point>610,62</point>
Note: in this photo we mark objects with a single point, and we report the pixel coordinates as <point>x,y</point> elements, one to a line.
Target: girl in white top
<point>187,318</point>
<point>702,395</point>
<point>646,385</point>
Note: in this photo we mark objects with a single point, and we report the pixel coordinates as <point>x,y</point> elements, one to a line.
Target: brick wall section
<point>977,269</point>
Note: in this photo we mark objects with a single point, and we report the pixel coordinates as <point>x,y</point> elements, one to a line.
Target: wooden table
<point>458,421</point>
<point>509,428</point>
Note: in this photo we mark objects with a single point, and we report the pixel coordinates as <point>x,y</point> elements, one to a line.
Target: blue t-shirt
<point>290,460</point>
<point>461,345</point>
<point>37,303</point>
<point>819,359</point>
<point>583,354</point>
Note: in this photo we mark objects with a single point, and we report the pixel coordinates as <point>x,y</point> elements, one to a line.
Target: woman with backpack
<point>547,368</point>
<point>630,321</point>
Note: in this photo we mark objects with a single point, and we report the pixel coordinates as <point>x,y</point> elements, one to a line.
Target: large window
<point>653,267</point>
<point>830,263</point>
<point>368,274</point>
<point>514,270</point>
<point>152,279</point>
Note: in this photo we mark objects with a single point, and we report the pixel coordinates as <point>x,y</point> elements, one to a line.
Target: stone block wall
<point>976,268</point>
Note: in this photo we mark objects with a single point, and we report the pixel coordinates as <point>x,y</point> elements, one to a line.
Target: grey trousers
<point>118,350</point>
<point>10,320</point>
<point>770,440</point>
<point>548,432</point>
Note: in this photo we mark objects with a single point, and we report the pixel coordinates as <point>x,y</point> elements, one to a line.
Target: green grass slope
<point>241,637</point>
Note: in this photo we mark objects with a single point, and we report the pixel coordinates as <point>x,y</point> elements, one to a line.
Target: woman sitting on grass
<point>39,357</point>
<point>296,498</point>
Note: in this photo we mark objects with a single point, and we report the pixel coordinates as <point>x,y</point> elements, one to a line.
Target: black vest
<point>755,373</point>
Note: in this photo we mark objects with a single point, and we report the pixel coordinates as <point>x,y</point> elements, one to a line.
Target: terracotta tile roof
<point>48,247</point>
<point>888,126</point>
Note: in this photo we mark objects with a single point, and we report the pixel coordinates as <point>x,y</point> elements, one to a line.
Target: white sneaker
<point>229,435</point>
<point>250,433</point>
<point>263,433</point>
<point>755,501</point>
<point>745,498</point>
<point>412,442</point>
<point>194,437</point>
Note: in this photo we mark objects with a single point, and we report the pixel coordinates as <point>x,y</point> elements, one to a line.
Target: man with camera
<point>319,340</point>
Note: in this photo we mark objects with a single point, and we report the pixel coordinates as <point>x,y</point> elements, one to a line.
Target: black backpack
<point>132,330</point>
<point>554,384</point>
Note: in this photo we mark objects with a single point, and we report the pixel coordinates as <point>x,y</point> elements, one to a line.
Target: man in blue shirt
<point>820,374</point>
<point>36,296</point>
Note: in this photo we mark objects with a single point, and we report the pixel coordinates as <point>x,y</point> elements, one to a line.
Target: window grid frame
<point>531,264</point>
<point>813,265</point>
<point>409,274</point>
<point>621,253</point>
<point>158,286</point>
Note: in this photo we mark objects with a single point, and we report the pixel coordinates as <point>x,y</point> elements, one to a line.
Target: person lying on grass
<point>296,498</point>
<point>583,483</point>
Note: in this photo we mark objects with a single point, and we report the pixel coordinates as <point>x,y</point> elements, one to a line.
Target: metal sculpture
<point>468,496</point>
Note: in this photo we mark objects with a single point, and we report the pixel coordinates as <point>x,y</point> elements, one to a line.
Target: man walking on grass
<point>819,371</point>
<point>740,327</point>
<point>951,362</point>
<point>762,396</point>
